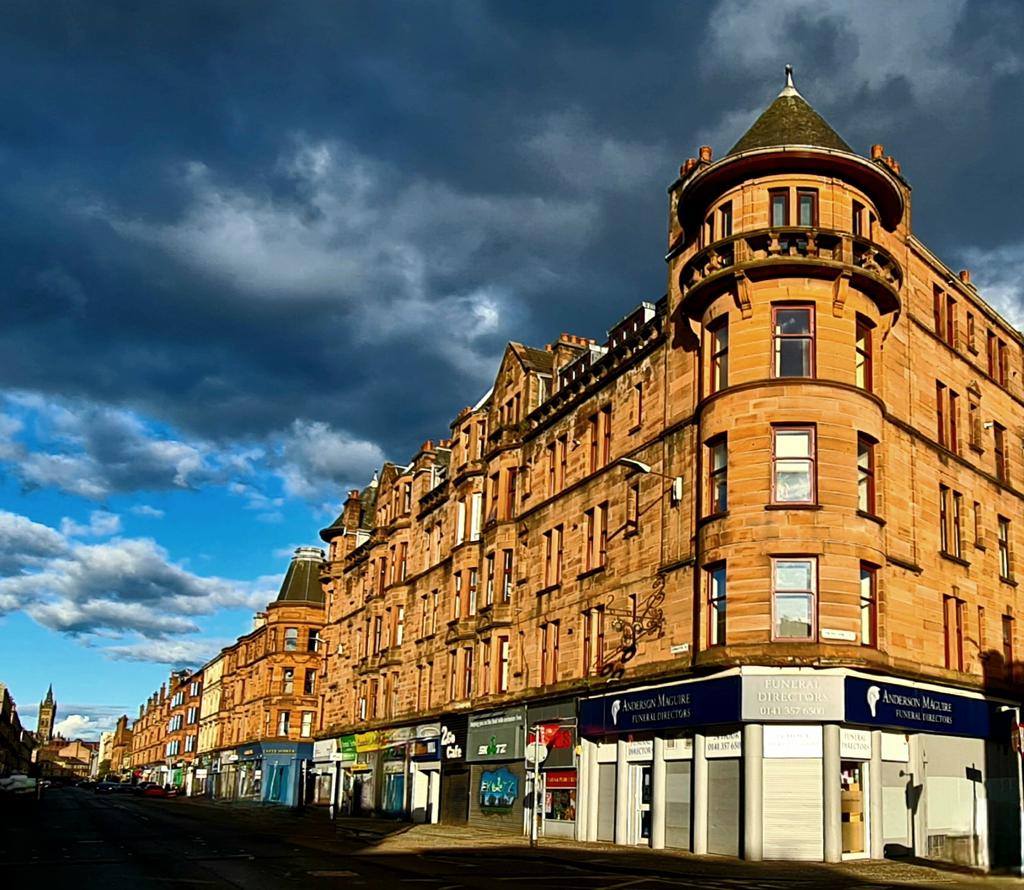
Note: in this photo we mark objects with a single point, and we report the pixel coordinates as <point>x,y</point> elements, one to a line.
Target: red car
<point>154,791</point>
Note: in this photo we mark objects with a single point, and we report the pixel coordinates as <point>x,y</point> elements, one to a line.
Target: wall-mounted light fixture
<point>676,491</point>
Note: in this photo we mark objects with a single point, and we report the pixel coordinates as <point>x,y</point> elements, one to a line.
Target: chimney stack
<point>877,151</point>
<point>965,276</point>
<point>705,154</point>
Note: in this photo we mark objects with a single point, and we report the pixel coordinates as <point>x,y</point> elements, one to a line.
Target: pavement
<point>73,837</point>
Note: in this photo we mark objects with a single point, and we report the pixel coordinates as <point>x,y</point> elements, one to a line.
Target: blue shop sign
<point>697,703</point>
<point>294,750</point>
<point>249,753</point>
<point>877,703</point>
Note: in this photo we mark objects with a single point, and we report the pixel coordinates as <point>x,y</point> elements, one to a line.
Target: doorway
<point>855,810</point>
<point>640,809</point>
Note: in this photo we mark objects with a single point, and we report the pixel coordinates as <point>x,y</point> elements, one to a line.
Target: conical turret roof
<point>302,581</point>
<point>789,120</point>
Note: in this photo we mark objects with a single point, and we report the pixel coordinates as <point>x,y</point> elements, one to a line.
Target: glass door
<point>640,816</point>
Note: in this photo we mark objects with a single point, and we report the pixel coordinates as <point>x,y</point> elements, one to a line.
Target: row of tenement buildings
<point>746,568</point>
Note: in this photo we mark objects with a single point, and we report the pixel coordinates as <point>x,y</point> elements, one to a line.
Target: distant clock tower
<point>47,716</point>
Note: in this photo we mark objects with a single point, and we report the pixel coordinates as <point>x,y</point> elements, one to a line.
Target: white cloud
<point>77,726</point>
<point>146,511</point>
<point>109,589</point>
<point>84,722</point>
<point>316,459</point>
<point>101,525</point>
<point>95,452</point>
<point>177,653</point>
<point>26,544</point>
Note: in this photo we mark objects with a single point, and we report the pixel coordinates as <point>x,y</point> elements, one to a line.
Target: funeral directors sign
<point>695,703</point>
<point>792,697</point>
<point>878,703</point>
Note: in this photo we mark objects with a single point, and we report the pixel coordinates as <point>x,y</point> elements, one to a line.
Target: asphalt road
<point>76,839</point>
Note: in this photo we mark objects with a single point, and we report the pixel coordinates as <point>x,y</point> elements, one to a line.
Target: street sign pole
<point>536,799</point>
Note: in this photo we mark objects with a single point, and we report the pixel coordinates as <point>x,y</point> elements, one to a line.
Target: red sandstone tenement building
<point>241,727</point>
<point>747,567</point>
<point>750,561</point>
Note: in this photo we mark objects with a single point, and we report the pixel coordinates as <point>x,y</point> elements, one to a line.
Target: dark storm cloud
<point>231,215</point>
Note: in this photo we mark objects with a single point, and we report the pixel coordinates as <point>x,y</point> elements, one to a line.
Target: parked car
<point>18,783</point>
<point>109,788</point>
<point>154,790</point>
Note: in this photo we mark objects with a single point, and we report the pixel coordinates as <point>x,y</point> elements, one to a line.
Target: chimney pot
<point>705,153</point>
<point>877,151</point>
<point>965,276</point>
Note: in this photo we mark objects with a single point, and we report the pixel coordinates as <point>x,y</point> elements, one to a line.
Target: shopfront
<point>285,772</point>
<point>365,773</point>
<point>248,772</point>
<point>325,770</point>
<point>495,750</point>
<point>425,773</point>
<point>801,764</point>
<point>554,725</point>
<point>348,758</point>
<point>950,790</point>
<point>393,759</point>
<point>224,775</point>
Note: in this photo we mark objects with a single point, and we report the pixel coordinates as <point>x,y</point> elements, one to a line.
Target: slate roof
<point>302,581</point>
<point>789,120</point>
<point>536,359</point>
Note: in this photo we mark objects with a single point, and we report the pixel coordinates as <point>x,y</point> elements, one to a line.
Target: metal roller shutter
<point>793,810</point>
<point>606,802</point>
<point>724,790</point>
<point>678,782</point>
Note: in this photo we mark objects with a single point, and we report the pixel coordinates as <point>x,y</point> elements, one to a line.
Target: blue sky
<point>251,250</point>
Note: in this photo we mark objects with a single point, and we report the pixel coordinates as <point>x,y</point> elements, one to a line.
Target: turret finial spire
<point>790,88</point>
